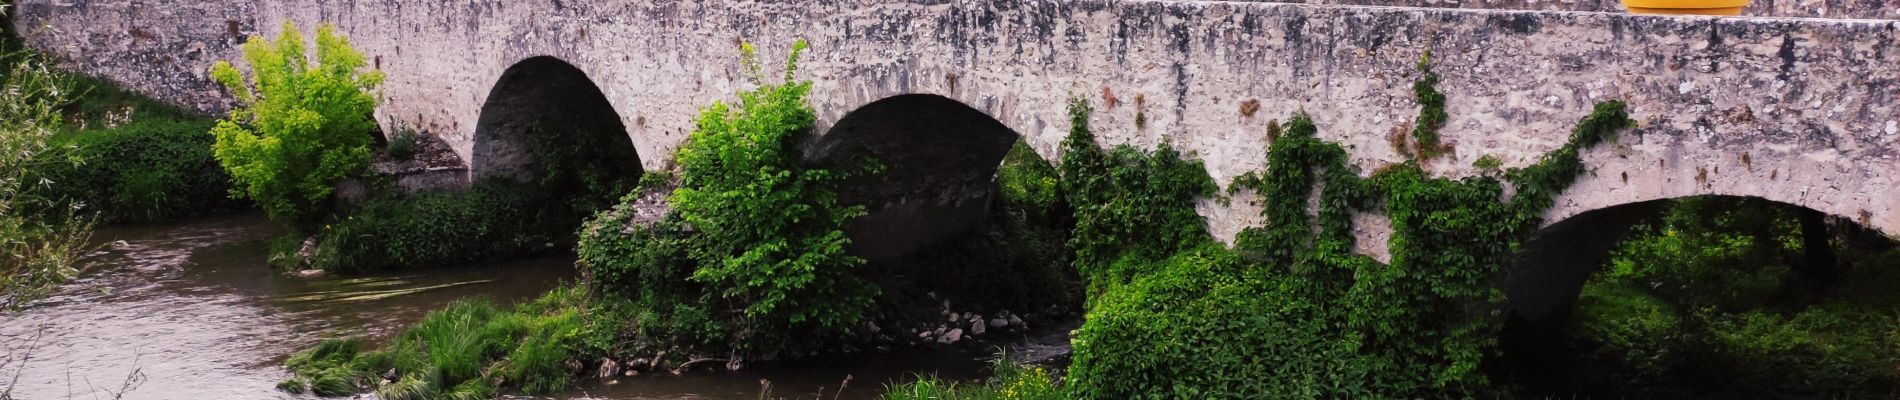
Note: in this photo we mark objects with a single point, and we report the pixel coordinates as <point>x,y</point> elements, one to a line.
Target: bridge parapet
<point>1845,9</point>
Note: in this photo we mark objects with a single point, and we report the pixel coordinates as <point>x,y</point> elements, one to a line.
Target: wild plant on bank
<point>38,251</point>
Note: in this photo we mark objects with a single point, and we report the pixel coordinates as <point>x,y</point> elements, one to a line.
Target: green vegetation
<point>1431,111</point>
<point>402,145</point>
<point>1706,301</point>
<point>1009,382</point>
<point>766,236</point>
<point>469,350</point>
<point>491,221</point>
<point>40,237</point>
<point>1017,260</point>
<point>156,167</point>
<point>750,262</point>
<point>135,159</point>
<point>1292,312</point>
<point>770,237</point>
<point>300,128</point>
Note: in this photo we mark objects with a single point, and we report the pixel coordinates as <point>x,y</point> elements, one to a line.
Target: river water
<point>192,311</point>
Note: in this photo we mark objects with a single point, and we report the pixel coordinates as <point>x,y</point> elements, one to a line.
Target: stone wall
<point>1858,9</point>
<point>1794,110</point>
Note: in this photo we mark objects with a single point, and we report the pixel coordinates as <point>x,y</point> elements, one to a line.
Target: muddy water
<point>191,309</point>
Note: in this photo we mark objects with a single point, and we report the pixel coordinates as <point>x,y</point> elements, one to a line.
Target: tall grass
<point>468,350</point>
<point>40,240</point>
<point>1011,382</point>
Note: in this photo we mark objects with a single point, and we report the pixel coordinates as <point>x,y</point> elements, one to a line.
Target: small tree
<point>772,228</point>
<point>299,128</point>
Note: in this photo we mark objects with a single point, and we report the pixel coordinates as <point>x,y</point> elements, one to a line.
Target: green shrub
<point>493,220</point>
<point>402,145</point>
<point>753,229</point>
<point>150,169</point>
<point>770,229</point>
<point>1639,337</point>
<point>1716,251</point>
<point>299,128</point>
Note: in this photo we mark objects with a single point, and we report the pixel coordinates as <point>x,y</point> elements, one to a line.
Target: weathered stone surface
<point>1863,9</point>
<point>1799,111</point>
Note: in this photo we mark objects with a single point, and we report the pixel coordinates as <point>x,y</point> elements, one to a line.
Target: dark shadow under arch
<point>1543,285</point>
<point>938,158</point>
<point>545,120</point>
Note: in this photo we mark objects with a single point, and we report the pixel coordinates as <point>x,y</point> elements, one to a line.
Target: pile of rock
<point>960,325</point>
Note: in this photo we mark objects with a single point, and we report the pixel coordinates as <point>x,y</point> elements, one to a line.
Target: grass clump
<point>1010,381</point>
<point>470,349</point>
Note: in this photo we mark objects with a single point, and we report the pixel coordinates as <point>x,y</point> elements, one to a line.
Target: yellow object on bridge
<point>1697,7</point>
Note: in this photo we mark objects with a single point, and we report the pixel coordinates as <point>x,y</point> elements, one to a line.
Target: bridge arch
<point>936,157</point>
<point>1544,285</point>
<point>546,119</point>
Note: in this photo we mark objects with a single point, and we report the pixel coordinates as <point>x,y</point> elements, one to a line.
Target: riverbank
<point>191,307</point>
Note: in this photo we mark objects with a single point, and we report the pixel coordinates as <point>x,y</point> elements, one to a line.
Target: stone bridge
<point>1793,106</point>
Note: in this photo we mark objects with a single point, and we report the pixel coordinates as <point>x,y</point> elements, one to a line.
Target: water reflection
<point>192,307</point>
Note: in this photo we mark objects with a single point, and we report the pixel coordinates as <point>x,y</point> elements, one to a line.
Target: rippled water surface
<point>192,307</point>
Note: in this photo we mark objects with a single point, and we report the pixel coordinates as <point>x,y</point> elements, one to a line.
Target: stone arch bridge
<point>1793,107</point>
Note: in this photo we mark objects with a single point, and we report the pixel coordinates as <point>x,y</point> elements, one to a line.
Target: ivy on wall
<point>1291,311</point>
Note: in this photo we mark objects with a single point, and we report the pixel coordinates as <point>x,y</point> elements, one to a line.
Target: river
<point>191,309</point>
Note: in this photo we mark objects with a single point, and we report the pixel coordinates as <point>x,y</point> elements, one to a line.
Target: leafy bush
<point>752,229</point>
<point>150,169</point>
<point>492,220</point>
<point>770,229</point>
<point>402,145</point>
<point>1639,333</point>
<point>300,128</point>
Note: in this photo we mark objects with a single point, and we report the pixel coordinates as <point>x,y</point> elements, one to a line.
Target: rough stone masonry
<point>1796,110</point>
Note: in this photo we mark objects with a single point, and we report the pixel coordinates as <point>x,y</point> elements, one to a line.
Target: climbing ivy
<point>1292,311</point>
<point>1131,208</point>
<point>1431,110</point>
